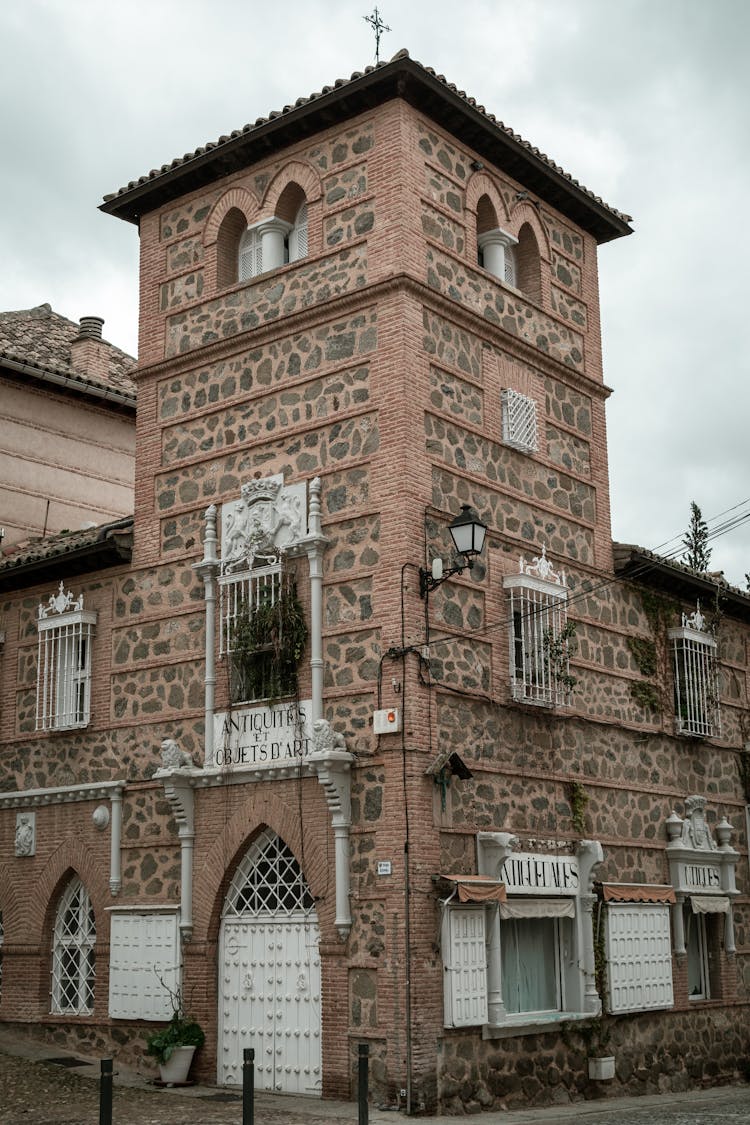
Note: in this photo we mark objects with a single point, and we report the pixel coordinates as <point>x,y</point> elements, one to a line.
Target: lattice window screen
<point>73,965</point>
<point>519,421</point>
<point>465,978</point>
<point>639,957</point>
<point>269,881</point>
<point>144,965</point>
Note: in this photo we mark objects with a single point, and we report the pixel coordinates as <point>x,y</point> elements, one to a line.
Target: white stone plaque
<point>248,738</point>
<point>533,873</point>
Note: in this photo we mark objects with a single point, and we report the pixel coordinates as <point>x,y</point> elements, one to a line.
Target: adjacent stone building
<point>274,746</point>
<point>67,425</point>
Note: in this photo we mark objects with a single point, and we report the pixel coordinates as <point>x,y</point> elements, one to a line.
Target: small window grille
<point>519,421</point>
<point>63,698</point>
<point>73,953</point>
<point>268,881</point>
<point>539,656</point>
<point>251,255</point>
<point>695,677</point>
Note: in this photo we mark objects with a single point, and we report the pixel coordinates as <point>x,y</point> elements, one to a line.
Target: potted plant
<point>173,1046</point>
<point>601,1063</point>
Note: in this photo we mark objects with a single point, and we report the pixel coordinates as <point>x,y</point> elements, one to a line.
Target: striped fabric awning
<point>638,892</point>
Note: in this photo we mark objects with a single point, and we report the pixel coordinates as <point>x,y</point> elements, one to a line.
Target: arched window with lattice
<point>73,960</point>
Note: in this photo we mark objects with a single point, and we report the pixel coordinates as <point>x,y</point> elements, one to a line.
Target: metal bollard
<point>363,1081</point>
<point>248,1086</point>
<point>105,1093</point>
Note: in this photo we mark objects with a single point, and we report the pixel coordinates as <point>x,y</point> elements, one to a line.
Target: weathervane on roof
<point>378,27</point>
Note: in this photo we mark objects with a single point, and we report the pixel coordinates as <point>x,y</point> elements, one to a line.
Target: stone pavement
<point>36,1091</point>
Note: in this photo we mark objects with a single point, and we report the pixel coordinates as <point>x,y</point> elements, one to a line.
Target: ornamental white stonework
<point>267,520</point>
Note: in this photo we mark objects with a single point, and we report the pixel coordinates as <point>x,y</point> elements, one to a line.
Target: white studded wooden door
<point>269,995</point>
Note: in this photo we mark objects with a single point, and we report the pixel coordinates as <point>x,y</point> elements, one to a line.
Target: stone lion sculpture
<point>173,758</point>
<point>325,738</point>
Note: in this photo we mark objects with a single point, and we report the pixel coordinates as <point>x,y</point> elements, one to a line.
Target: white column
<point>272,235</point>
<point>208,568</point>
<point>493,244</point>
<point>495,1006</point>
<point>315,545</point>
<point>590,857</point>
<point>115,865</point>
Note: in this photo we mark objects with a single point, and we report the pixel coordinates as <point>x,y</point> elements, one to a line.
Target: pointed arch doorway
<point>269,962</point>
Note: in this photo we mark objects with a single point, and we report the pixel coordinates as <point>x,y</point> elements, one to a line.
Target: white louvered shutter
<point>144,956</point>
<point>251,256</point>
<point>298,236</point>
<point>465,991</point>
<point>639,957</point>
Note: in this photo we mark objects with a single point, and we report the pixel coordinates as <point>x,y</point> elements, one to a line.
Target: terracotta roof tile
<point>357,76</point>
<point>42,338</point>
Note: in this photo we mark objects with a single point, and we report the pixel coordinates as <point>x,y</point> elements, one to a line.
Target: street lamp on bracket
<point>467,532</point>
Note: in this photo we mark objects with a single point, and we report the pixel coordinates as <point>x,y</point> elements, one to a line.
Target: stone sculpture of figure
<point>696,833</point>
<point>325,738</point>
<point>24,835</point>
<point>173,758</point>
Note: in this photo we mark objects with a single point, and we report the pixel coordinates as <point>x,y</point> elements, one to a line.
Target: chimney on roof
<point>89,355</point>
<point>91,327</point>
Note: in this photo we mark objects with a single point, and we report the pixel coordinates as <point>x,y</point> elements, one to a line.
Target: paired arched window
<point>514,260</point>
<point>245,252</point>
<point>73,962</point>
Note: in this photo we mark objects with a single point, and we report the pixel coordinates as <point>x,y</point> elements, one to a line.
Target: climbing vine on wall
<point>267,643</point>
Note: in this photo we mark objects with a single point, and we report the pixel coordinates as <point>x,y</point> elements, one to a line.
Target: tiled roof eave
<point>67,380</point>
<point>401,77</point>
<point>109,545</point>
<point>640,565</point>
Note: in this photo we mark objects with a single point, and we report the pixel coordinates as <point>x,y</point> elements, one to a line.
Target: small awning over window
<point>638,892</point>
<point>477,888</point>
<point>709,904</point>
<point>538,908</point>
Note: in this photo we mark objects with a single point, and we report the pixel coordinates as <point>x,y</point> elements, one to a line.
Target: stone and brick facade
<point>339,410</point>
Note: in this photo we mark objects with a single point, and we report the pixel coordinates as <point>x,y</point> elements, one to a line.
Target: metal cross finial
<point>378,27</point>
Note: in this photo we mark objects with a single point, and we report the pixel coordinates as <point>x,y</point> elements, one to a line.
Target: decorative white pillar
<point>493,848</point>
<point>590,857</point>
<point>115,863</point>
<point>314,545</point>
<point>178,790</point>
<point>208,568</point>
<point>332,764</point>
<point>493,244</point>
<point>272,235</point>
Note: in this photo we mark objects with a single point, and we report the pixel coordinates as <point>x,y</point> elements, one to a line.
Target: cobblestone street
<point>36,1091</point>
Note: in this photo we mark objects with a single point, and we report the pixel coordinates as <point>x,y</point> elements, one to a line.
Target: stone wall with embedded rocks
<point>654,1054</point>
<point>506,309</point>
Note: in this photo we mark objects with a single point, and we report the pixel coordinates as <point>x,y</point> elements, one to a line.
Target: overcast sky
<point>643,101</point>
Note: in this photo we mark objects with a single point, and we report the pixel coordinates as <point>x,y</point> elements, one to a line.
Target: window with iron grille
<point>244,596</point>
<point>519,421</point>
<point>63,693</point>
<point>539,634</point>
<point>696,694</point>
<point>73,953</point>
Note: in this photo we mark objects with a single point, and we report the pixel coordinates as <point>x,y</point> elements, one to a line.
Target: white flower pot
<point>602,1069</point>
<point>177,1067</point>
